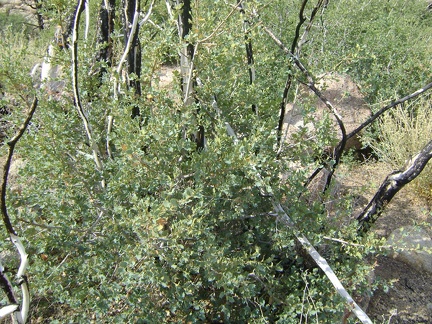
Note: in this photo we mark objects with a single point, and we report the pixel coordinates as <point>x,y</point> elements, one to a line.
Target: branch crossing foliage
<point>142,201</point>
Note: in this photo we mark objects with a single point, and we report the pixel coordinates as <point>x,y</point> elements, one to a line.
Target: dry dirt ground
<point>409,299</point>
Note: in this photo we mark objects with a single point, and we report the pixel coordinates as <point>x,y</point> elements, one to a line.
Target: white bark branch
<point>109,128</point>
<point>20,314</point>
<point>75,86</point>
<point>147,16</point>
<point>22,281</point>
<point>7,310</point>
<point>87,14</point>
<point>126,51</point>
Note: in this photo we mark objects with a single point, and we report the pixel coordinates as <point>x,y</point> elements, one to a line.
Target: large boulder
<point>343,93</point>
<point>413,246</point>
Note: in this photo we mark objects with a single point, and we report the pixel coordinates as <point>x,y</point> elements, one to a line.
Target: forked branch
<point>372,118</point>
<point>296,46</point>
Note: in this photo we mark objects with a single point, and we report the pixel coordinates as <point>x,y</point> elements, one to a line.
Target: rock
<point>413,246</point>
<point>343,94</point>
<point>13,178</point>
<point>10,257</point>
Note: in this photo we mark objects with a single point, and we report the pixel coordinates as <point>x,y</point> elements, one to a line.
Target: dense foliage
<point>179,234</point>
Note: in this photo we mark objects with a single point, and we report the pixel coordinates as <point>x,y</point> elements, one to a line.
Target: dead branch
<point>296,44</point>
<point>282,216</point>
<point>7,165</point>
<point>322,263</point>
<point>75,86</point>
<point>249,50</point>
<point>394,182</point>
<point>372,118</point>
<point>19,313</point>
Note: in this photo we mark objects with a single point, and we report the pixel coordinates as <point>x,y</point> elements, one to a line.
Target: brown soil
<point>409,298</point>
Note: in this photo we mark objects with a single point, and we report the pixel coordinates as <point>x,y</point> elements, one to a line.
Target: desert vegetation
<point>126,198</point>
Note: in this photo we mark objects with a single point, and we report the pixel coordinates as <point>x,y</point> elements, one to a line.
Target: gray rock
<point>413,246</point>
<point>346,98</point>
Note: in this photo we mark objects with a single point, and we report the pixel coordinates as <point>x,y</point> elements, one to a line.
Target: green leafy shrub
<point>177,235</point>
<point>17,23</point>
<point>385,46</point>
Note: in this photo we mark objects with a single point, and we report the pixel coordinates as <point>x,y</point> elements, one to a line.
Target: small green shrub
<point>16,22</point>
<point>403,133</point>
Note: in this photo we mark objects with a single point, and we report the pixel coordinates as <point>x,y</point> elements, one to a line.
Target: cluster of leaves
<point>180,235</point>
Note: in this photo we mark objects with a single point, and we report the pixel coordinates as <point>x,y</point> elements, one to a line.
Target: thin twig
<point>220,24</point>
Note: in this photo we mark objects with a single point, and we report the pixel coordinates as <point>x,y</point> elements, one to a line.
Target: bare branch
<point>20,314</point>
<point>87,20</point>
<point>110,120</point>
<point>301,21</point>
<point>249,50</point>
<point>22,279</point>
<point>78,104</point>
<point>223,21</point>
<point>296,44</point>
<point>7,165</point>
<point>147,16</point>
<point>372,118</point>
<point>391,185</point>
<point>302,40</point>
<point>127,48</point>
<point>7,310</point>
<point>322,263</point>
<point>319,260</point>
<point>6,285</point>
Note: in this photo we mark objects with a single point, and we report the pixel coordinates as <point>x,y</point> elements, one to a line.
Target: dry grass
<point>403,133</point>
